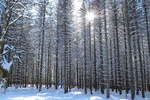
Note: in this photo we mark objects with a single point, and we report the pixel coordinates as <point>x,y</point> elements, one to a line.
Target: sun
<point>90,16</point>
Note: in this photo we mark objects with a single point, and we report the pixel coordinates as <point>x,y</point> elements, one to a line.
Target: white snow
<point>6,65</point>
<point>7,48</point>
<point>52,94</point>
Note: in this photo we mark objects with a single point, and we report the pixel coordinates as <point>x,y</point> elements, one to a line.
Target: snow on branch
<point>11,23</point>
<point>21,4</point>
<point>5,63</point>
<point>7,48</point>
<point>15,20</point>
<point>1,3</point>
<point>17,57</point>
<point>14,4</point>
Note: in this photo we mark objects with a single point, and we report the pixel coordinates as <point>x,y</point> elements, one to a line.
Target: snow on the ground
<point>52,94</point>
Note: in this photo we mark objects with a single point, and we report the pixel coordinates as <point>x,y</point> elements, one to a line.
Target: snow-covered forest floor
<point>52,94</point>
